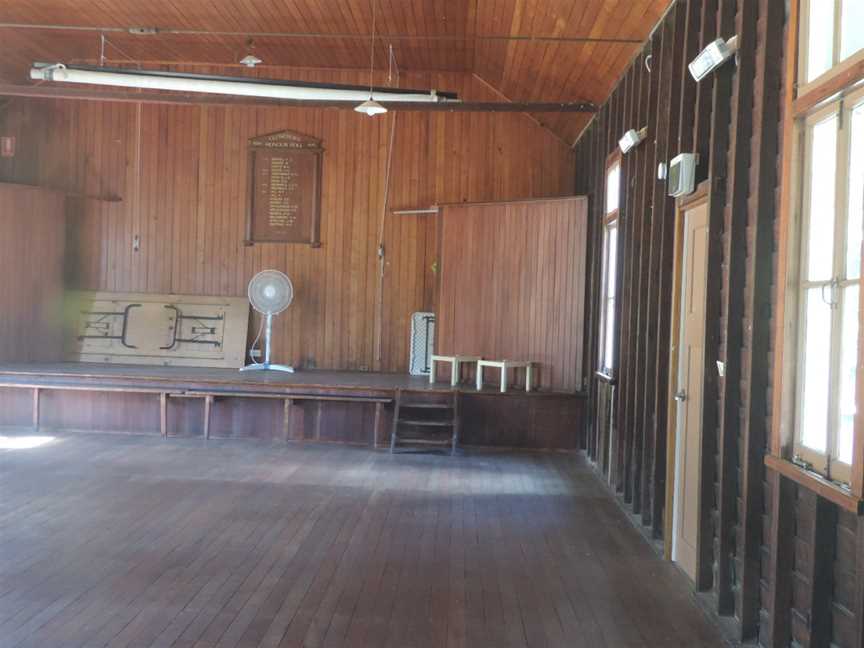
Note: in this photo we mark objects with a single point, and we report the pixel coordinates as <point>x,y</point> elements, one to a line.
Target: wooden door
<point>691,369</point>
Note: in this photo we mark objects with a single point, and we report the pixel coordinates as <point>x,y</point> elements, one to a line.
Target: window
<point>826,205</point>
<point>831,32</point>
<point>829,272</point>
<point>609,276</point>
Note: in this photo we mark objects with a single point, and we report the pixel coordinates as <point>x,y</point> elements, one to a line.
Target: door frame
<point>696,199</point>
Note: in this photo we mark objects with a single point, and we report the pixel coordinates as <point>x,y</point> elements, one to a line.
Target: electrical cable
<point>255,343</point>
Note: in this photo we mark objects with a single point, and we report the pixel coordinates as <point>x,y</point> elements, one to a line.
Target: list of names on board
<point>285,194</point>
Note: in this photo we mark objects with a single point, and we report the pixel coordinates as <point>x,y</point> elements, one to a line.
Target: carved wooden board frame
<point>295,144</point>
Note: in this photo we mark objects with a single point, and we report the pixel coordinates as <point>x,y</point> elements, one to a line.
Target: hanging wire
<point>372,50</point>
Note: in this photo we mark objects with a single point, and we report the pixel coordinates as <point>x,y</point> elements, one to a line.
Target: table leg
<point>163,414</point>
<point>287,431</point>
<point>36,409</point>
<point>208,407</point>
<point>529,382</point>
<point>431,371</point>
<point>376,428</point>
<point>454,373</point>
<point>479,377</point>
<point>503,378</point>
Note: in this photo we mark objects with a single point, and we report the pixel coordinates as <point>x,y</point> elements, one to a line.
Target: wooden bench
<point>505,366</point>
<point>456,362</point>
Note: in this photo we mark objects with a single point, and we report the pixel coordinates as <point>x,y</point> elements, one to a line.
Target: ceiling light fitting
<point>371,107</point>
<point>250,61</point>
<point>224,85</point>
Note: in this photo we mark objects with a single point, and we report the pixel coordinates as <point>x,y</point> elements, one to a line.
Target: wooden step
<point>412,441</point>
<point>426,423</point>
<point>428,405</point>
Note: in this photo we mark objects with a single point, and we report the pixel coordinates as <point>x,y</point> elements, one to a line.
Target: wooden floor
<point>136,541</point>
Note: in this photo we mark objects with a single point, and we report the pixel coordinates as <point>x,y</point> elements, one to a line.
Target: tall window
<point>830,270</point>
<point>610,260</point>
<point>830,197</point>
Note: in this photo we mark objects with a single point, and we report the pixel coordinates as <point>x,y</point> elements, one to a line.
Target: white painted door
<point>691,355</point>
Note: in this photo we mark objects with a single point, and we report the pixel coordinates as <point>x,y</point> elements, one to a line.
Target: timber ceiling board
<point>522,48</point>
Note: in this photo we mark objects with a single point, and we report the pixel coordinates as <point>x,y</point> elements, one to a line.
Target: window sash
<point>827,462</point>
<point>608,298</point>
<point>613,189</point>
<point>837,55</point>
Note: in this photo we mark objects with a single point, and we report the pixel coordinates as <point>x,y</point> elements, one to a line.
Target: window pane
<point>816,371</point>
<point>613,179</point>
<point>856,192</point>
<point>819,238</point>
<point>848,366</point>
<point>612,260</point>
<point>610,331</point>
<point>609,315</point>
<point>820,42</point>
<point>852,28</point>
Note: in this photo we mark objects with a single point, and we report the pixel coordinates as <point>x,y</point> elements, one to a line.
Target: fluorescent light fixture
<point>631,139</point>
<point>250,61</point>
<point>241,86</point>
<point>712,57</point>
<point>371,108</point>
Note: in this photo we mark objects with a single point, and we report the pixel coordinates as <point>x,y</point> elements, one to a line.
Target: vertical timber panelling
<point>33,223</point>
<point>512,285</point>
<point>181,172</point>
<point>756,325</point>
<point>662,239</point>
<point>712,144</point>
<point>731,120</point>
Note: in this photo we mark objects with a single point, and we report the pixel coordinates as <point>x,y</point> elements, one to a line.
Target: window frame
<point>844,81</point>
<point>803,33</point>
<point>609,222</point>
<point>826,463</point>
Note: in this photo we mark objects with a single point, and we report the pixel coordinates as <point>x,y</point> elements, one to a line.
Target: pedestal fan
<point>270,293</point>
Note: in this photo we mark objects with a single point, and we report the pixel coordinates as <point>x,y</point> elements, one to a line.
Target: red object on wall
<point>7,146</point>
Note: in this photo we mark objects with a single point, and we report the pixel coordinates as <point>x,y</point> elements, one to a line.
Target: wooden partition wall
<point>181,174</point>
<point>512,285</point>
<point>32,240</point>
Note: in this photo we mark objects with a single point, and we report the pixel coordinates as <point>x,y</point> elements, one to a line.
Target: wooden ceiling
<point>528,50</point>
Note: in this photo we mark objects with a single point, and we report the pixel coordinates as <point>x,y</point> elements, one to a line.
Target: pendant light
<point>370,106</point>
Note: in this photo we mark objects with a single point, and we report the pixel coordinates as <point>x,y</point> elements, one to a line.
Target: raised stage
<point>313,405</point>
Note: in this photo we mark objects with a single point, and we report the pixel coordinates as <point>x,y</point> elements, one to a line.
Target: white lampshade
<point>371,108</point>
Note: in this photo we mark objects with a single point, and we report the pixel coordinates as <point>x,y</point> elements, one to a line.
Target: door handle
<point>681,396</point>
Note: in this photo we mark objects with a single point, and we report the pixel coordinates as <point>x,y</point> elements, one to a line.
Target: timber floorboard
<point>138,541</point>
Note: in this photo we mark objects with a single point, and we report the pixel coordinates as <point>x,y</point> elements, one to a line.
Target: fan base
<point>266,366</point>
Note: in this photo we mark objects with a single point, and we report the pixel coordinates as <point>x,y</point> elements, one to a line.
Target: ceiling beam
<point>84,94</point>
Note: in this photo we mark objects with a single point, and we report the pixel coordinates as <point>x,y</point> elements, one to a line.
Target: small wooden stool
<point>504,365</point>
<point>455,368</point>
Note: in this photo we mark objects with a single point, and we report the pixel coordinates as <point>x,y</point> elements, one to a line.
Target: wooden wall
<point>32,240</point>
<point>513,285</point>
<point>181,173</point>
<point>778,561</point>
